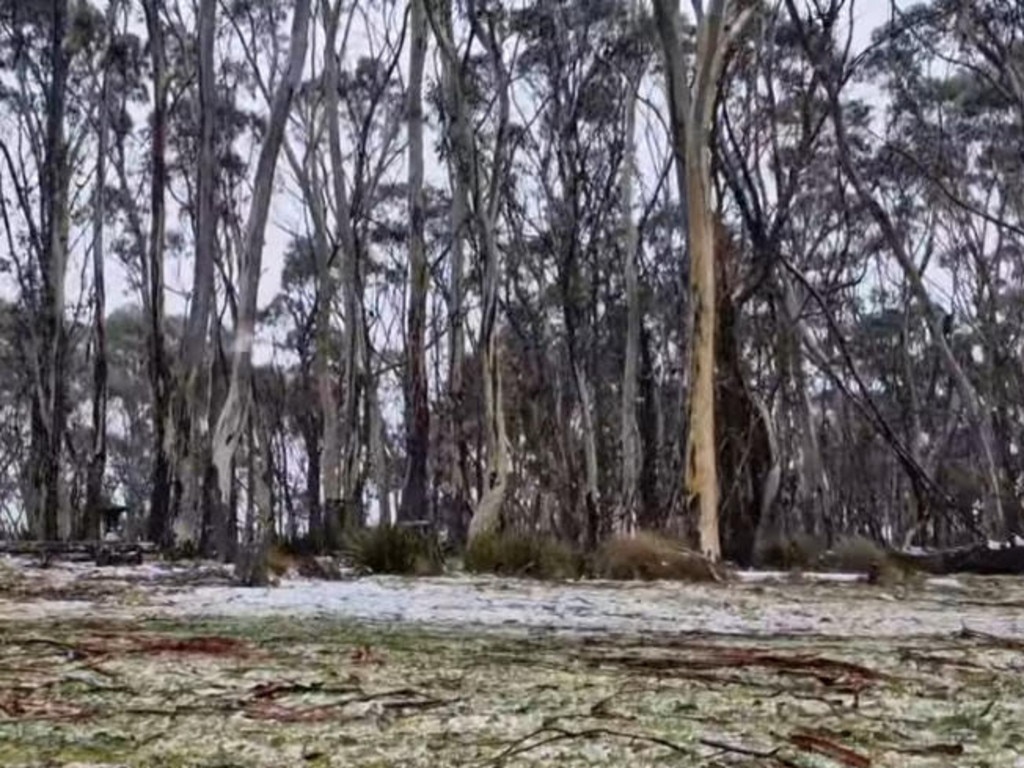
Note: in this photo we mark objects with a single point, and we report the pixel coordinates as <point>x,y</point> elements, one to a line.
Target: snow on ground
<point>609,608</point>
<point>759,603</point>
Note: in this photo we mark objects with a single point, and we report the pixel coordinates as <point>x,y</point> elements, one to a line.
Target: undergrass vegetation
<point>799,552</point>
<point>392,549</point>
<point>649,556</point>
<point>523,555</point>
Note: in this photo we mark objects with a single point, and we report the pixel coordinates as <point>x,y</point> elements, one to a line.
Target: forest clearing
<point>432,383</point>
<point>174,666</point>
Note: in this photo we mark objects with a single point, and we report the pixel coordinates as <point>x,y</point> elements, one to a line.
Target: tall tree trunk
<point>632,459</point>
<point>49,397</point>
<point>458,503</point>
<point>691,114</point>
<point>98,457</point>
<point>651,432</point>
<point>235,413</point>
<point>486,199</point>
<point>159,374</point>
<point>192,438</point>
<point>341,503</point>
<point>414,493</point>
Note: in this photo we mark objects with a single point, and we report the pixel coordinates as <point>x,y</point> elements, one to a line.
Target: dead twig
<point>554,734</point>
<point>818,744</point>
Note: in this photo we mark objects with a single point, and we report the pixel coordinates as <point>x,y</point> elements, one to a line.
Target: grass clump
<point>858,554</point>
<point>516,554</point>
<point>855,554</point>
<point>790,553</point>
<point>649,556</point>
<point>393,549</point>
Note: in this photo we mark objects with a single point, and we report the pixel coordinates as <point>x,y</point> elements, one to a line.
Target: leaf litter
<point>582,675</point>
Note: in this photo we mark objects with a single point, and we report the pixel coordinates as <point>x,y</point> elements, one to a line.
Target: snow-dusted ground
<point>620,608</point>
<point>761,603</point>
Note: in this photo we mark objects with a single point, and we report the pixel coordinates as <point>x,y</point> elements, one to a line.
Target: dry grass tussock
<point>649,556</point>
<point>523,555</point>
<point>393,549</point>
<point>859,554</point>
<point>283,562</point>
<point>800,552</point>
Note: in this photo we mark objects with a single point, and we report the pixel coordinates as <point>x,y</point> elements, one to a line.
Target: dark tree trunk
<point>98,459</point>
<point>159,376</point>
<point>49,406</point>
<point>414,495</point>
<point>314,517</point>
<point>651,514</point>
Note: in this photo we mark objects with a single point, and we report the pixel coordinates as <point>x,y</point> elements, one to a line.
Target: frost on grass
<point>387,672</point>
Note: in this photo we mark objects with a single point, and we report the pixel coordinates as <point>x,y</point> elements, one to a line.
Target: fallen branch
<point>811,742</point>
<point>555,734</point>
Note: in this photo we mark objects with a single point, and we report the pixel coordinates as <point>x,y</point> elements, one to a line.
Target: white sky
<point>286,214</point>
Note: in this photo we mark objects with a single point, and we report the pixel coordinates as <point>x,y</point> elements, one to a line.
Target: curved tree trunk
<point>236,411</point>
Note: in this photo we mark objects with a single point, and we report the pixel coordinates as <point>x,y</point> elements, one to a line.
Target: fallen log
<point>978,559</point>
<point>100,552</point>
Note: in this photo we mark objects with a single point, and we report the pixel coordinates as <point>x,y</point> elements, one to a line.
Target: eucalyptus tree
<point>480,168</point>
<point>692,100</point>
<point>818,34</point>
<point>236,409</point>
<point>414,493</point>
<point>49,50</point>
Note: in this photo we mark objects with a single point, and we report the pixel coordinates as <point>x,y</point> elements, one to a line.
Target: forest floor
<point>173,666</point>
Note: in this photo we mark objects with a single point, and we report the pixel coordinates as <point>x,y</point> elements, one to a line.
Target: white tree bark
<point>692,105</point>
<point>235,413</point>
<point>485,197</point>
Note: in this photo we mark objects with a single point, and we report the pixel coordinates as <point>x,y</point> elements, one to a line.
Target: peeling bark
<point>691,114</point>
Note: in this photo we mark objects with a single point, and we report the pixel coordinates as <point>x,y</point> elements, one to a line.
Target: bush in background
<point>515,554</point>
<point>650,556</point>
<point>395,550</point>
<point>790,553</point>
<point>859,554</point>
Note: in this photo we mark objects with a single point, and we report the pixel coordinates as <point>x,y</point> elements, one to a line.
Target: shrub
<point>855,554</point>
<point>787,553</point>
<point>515,554</point>
<point>396,550</point>
<point>649,556</point>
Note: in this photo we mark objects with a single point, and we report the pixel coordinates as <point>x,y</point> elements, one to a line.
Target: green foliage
<point>650,556</point>
<point>789,553</point>
<point>395,550</point>
<point>515,554</point>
